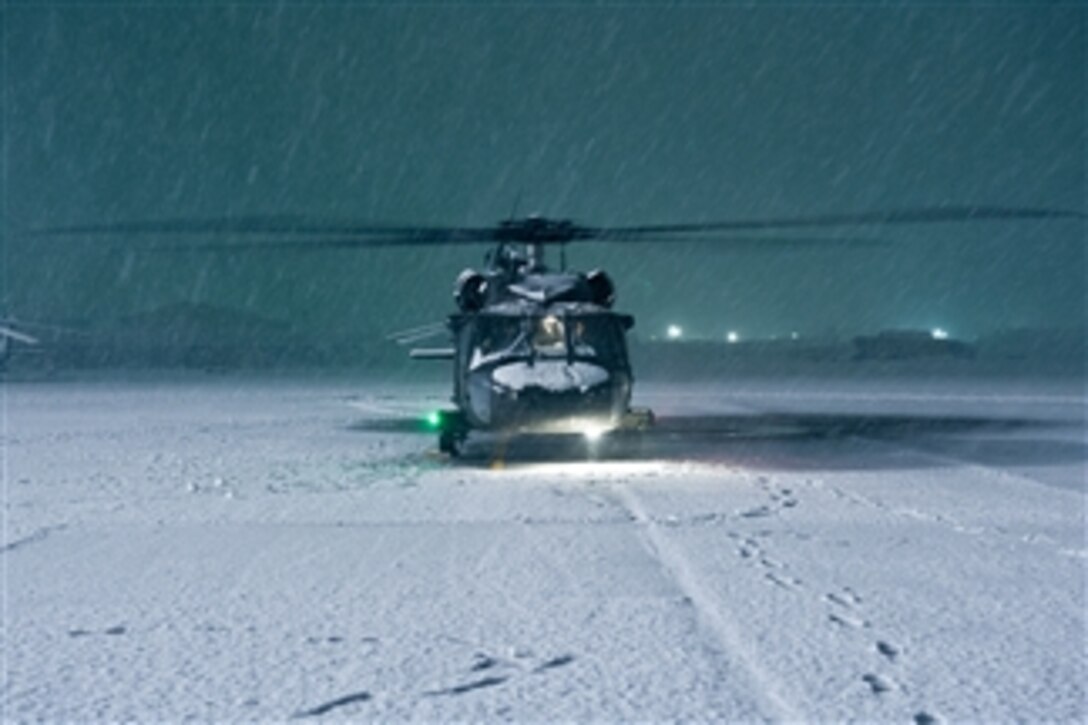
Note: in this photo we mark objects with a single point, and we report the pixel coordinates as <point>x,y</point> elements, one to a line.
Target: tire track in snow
<point>845,604</point>
<point>708,605</point>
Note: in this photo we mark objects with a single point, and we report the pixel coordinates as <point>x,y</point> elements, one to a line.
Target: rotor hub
<point>536,230</point>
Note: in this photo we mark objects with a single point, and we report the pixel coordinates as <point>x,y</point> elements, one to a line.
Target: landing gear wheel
<point>451,438</point>
<point>451,442</point>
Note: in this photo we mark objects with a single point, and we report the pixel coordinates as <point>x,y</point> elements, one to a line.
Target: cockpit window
<point>498,334</point>
<point>550,336</point>
<point>595,337</point>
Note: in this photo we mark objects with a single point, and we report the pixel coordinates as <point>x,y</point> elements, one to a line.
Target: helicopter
<point>535,350</point>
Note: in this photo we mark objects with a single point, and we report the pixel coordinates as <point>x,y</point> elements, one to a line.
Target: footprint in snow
<point>114,631</point>
<point>877,684</point>
<point>846,621</point>
<point>887,650</point>
<point>784,582</point>
<point>333,705</point>
<point>483,662</point>
<point>837,600</point>
<point>554,662</point>
<point>468,687</point>
<point>335,639</point>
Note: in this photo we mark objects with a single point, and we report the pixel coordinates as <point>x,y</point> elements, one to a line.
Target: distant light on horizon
<point>939,334</point>
<point>675,332</point>
<point>732,336</point>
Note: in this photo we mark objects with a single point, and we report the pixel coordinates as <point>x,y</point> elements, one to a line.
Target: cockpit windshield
<point>550,336</point>
<point>586,337</point>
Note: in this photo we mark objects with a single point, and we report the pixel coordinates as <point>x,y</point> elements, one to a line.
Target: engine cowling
<point>470,290</point>
<point>601,289</point>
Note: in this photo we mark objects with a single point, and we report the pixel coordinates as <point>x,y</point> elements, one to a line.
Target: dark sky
<point>607,115</point>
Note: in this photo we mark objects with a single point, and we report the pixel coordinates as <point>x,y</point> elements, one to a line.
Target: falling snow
<point>864,498</point>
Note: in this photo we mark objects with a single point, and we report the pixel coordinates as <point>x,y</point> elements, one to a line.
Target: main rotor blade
<point>360,233</point>
<point>895,216</point>
<point>313,233</point>
<point>288,245</point>
<point>731,243</point>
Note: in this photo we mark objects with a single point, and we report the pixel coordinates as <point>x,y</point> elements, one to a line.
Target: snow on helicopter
<point>534,350</point>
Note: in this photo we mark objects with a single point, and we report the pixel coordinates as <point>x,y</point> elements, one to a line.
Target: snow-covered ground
<point>232,549</point>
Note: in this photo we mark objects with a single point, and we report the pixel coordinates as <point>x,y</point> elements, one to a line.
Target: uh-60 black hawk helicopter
<point>534,350</point>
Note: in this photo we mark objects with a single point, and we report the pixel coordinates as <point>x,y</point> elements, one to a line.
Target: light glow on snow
<point>591,471</point>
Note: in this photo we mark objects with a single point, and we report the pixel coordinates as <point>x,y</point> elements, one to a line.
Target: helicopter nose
<point>538,397</point>
<point>549,376</point>
<point>540,409</point>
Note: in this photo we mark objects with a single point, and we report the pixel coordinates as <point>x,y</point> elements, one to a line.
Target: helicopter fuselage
<point>529,367</point>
